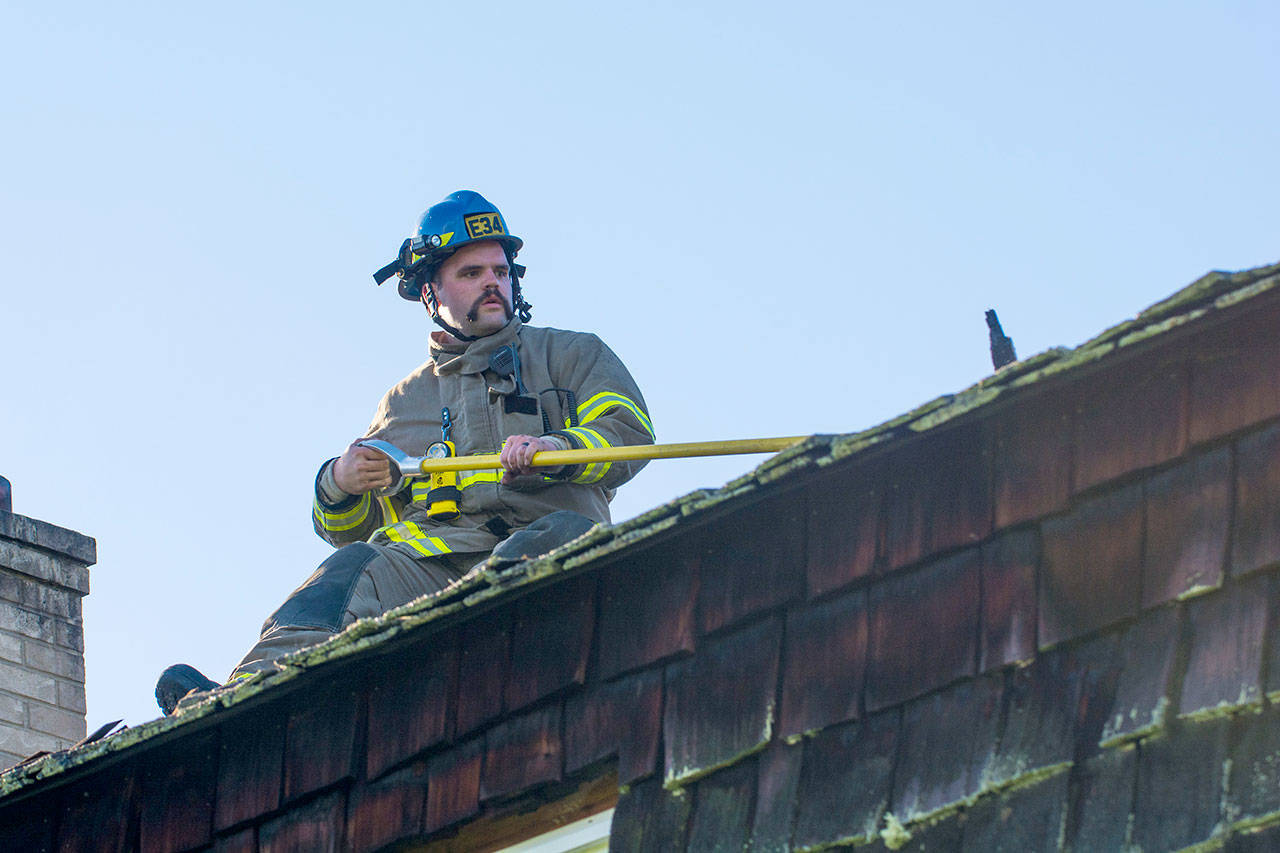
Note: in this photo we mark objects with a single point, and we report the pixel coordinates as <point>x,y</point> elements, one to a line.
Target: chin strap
<point>433,310</point>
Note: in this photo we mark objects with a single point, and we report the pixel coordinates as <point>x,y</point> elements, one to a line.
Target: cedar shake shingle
<point>1032,459</point>
<point>250,767</point>
<point>388,809</point>
<point>621,717</point>
<point>453,784</point>
<point>482,670</point>
<point>1256,528</point>
<point>1129,417</point>
<point>550,640</point>
<point>1091,568</point>
<point>647,605</point>
<point>521,752</point>
<point>1009,564</point>
<point>823,664</point>
<point>923,629</point>
<point>177,798</point>
<point>1233,374</point>
<point>320,739</point>
<point>753,561</point>
<point>1226,633</point>
<point>410,702</point>
<point>843,527</point>
<point>1187,511</point>
<point>720,703</point>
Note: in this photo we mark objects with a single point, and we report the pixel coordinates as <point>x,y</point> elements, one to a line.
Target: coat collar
<point>473,357</point>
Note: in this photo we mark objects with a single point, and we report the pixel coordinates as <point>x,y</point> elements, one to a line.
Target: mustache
<point>474,312</point>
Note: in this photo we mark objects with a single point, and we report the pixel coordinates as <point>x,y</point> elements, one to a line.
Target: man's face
<point>473,288</point>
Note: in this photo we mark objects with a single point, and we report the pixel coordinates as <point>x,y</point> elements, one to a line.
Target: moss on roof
<point>489,584</point>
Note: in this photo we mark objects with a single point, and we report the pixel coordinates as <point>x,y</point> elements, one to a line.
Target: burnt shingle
<point>1023,820</point>
<point>621,717</point>
<point>1253,790</point>
<point>923,629</point>
<point>754,560</point>
<point>388,809</point>
<point>1233,378</point>
<point>1187,509</point>
<point>1255,539</point>
<point>777,780</point>
<point>843,525</point>
<point>1226,630</point>
<point>823,664</point>
<point>946,743</point>
<point>244,841</point>
<point>1032,460</point>
<point>1102,800</point>
<point>1096,547</point>
<point>844,781</point>
<point>647,605</point>
<point>1130,417</point>
<point>410,698</point>
<point>521,752</point>
<point>722,809</point>
<point>1049,706</point>
<point>550,640</point>
<point>649,817</point>
<point>1179,791</point>
<point>453,785</point>
<point>1009,565</point>
<point>177,797</point>
<point>720,703</point>
<point>1148,652</point>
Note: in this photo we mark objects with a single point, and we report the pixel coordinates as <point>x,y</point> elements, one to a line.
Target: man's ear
<point>426,294</point>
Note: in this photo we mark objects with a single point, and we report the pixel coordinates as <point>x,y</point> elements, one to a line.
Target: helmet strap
<point>433,308</point>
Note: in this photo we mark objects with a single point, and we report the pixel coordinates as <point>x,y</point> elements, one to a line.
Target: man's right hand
<point>361,469</point>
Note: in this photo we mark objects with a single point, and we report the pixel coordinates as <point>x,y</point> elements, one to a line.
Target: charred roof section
<point>1040,610</point>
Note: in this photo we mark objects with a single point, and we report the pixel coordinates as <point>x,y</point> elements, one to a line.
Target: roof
<point>1063,456</point>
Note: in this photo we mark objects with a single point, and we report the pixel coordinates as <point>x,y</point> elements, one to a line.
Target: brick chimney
<point>43,575</point>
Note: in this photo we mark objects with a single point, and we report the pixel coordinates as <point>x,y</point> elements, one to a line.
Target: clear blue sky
<point>785,218</point>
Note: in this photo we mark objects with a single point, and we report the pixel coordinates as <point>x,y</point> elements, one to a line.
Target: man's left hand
<point>517,456</point>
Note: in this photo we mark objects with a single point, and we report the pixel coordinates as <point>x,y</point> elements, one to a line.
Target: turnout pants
<point>363,580</point>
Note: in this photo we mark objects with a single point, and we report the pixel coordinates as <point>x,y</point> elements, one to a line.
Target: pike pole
<point>423,466</point>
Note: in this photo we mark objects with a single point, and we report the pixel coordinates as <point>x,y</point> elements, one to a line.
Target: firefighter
<point>490,384</point>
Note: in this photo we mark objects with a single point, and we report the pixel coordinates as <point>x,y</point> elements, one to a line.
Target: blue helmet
<point>463,217</point>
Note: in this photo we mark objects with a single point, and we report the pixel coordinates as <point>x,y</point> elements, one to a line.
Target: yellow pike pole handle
<point>547,458</point>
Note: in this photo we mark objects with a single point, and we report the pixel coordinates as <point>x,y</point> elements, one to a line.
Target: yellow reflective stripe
<point>423,543</point>
<point>388,510</point>
<point>594,471</point>
<point>419,488</point>
<point>606,400</point>
<point>336,522</point>
<point>480,477</point>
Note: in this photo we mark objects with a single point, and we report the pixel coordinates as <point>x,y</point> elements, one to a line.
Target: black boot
<point>176,682</point>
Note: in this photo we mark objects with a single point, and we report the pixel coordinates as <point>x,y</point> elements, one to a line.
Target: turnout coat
<point>578,392</point>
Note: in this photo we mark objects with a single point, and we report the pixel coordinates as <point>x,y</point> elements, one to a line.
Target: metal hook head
<point>401,464</point>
